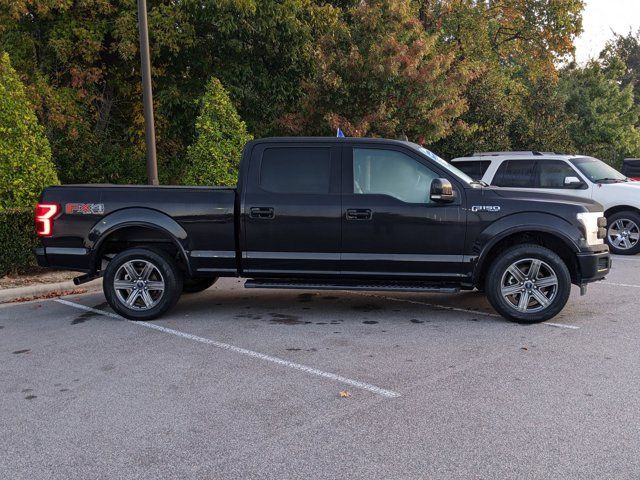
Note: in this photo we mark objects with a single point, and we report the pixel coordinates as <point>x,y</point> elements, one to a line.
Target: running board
<point>352,285</point>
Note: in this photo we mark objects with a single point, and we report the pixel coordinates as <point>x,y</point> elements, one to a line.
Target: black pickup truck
<point>327,213</point>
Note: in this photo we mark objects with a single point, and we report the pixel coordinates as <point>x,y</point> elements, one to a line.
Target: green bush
<point>221,135</point>
<point>17,238</point>
<point>25,155</point>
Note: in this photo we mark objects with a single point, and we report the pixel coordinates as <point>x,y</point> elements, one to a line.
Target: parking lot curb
<point>46,289</point>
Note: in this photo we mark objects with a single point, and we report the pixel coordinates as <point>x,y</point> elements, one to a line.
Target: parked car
<point>631,168</point>
<point>577,176</point>
<point>327,213</point>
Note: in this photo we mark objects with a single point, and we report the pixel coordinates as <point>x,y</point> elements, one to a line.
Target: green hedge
<point>17,238</point>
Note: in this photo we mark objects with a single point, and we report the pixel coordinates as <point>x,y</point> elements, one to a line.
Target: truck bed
<point>201,218</point>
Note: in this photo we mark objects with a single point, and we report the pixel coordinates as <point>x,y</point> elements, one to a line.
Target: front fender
<point>569,233</point>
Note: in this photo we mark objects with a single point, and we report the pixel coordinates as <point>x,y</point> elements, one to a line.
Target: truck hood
<point>542,198</point>
<point>632,188</point>
<point>614,194</point>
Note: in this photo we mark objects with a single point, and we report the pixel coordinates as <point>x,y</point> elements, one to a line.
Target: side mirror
<point>572,182</point>
<point>441,191</point>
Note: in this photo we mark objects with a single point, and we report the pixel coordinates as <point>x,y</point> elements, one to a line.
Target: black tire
<point>163,269</point>
<point>623,229</point>
<point>550,268</point>
<point>195,285</point>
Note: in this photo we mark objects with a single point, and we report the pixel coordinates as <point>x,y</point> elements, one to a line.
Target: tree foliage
<point>25,156</point>
<point>625,49</point>
<point>379,73</point>
<point>215,156</point>
<point>460,75</point>
<point>606,118</point>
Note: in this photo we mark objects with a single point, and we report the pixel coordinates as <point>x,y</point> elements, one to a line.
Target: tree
<point>221,135</point>
<point>528,34</point>
<point>606,118</point>
<point>542,123</point>
<point>380,74</point>
<point>25,156</point>
<point>625,48</point>
<point>513,46</point>
<point>261,50</point>
<point>80,64</point>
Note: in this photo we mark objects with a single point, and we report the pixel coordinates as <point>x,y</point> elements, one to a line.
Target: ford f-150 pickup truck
<point>327,213</point>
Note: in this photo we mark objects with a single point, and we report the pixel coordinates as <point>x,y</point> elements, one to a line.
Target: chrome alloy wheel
<point>139,285</point>
<point>623,234</point>
<point>529,285</point>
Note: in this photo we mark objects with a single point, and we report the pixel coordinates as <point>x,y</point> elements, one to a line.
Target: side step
<point>313,284</point>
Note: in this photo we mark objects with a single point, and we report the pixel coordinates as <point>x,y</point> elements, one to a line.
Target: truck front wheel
<point>142,284</point>
<point>528,284</point>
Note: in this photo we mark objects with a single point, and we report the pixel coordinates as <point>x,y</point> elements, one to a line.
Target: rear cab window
<point>295,169</point>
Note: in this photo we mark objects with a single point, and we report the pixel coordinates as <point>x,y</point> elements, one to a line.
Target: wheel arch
<point>621,208</point>
<point>556,241</point>
<point>139,227</point>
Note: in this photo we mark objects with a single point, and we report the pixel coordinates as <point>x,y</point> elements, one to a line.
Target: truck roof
<point>385,141</point>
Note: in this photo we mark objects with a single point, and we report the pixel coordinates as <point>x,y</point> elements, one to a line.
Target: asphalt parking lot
<point>239,383</point>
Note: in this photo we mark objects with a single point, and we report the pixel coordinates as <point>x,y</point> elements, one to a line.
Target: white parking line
<point>624,258</point>
<point>243,351</point>
<point>427,304</point>
<point>561,325</point>
<point>456,309</point>
<point>619,284</point>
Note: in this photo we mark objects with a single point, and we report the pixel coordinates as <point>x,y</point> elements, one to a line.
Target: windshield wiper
<point>479,182</point>
<point>608,179</point>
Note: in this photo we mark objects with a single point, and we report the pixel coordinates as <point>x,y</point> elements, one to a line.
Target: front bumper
<point>593,266</point>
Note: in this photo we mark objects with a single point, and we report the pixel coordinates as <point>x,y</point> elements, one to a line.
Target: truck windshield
<point>597,171</point>
<point>446,165</point>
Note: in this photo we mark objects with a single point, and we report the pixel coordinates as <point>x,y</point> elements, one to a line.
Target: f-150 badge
<point>84,208</point>
<point>485,208</point>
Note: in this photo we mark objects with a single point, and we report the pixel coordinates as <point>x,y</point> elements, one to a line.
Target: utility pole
<point>147,94</point>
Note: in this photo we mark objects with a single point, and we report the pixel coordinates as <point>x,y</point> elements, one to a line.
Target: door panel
<point>291,211</point>
<point>389,225</point>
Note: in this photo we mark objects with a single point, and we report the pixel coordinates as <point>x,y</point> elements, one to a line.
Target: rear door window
<point>295,170</point>
<point>474,168</point>
<point>516,173</point>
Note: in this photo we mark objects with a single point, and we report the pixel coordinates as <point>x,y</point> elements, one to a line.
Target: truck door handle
<point>358,214</point>
<point>261,212</point>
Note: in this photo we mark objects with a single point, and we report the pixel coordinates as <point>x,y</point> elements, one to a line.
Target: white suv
<point>574,175</point>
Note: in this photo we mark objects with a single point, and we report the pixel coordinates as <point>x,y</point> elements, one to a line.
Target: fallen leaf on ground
<point>344,394</point>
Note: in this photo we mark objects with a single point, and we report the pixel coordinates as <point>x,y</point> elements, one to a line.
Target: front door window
<point>387,172</point>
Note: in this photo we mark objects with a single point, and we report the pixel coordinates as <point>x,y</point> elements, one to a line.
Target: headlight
<point>593,232</point>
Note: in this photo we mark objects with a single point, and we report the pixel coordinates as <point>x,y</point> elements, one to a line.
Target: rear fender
<point>137,217</point>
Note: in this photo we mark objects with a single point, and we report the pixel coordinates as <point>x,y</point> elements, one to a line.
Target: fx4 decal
<point>485,208</point>
<point>84,208</point>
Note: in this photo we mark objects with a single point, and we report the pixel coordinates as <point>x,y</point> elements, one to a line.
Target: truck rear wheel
<point>142,284</point>
<point>195,285</point>
<point>623,233</point>
<point>528,284</point>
